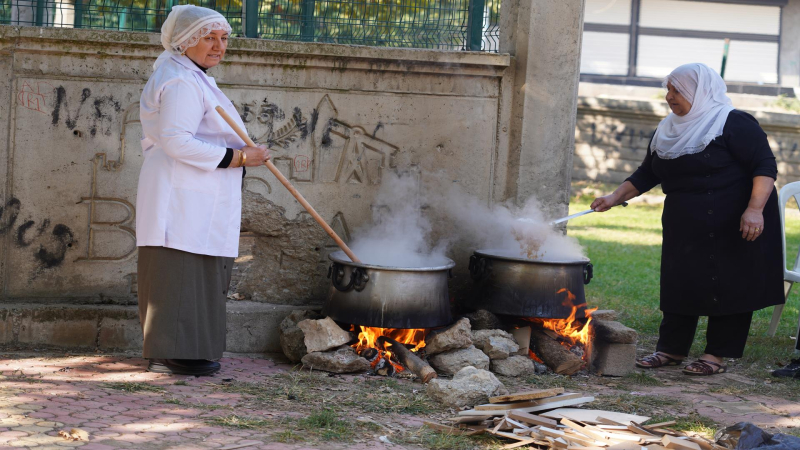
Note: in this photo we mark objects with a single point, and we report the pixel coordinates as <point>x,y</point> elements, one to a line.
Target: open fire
<point>383,361</point>
<point>572,333</point>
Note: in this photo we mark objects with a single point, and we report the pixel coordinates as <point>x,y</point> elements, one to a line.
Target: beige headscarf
<point>185,26</point>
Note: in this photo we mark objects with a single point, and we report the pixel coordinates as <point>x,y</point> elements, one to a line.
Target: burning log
<point>555,355</point>
<point>414,363</point>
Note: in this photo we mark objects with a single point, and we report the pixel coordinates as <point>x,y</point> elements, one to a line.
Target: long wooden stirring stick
<point>290,188</point>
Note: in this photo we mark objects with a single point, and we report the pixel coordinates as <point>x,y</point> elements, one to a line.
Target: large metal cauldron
<point>388,297</point>
<point>508,284</point>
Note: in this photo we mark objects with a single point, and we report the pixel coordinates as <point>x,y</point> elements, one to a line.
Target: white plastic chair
<point>789,276</point>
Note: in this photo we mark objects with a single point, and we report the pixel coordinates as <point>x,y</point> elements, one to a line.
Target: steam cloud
<point>402,231</point>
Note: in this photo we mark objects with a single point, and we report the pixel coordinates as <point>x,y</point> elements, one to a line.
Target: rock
<point>483,320</point>
<point>605,314</point>
<point>540,368</point>
<point>292,337</point>
<point>614,332</point>
<point>513,366</point>
<point>323,334</point>
<point>450,362</point>
<point>614,360</point>
<point>469,387</point>
<point>343,360</point>
<point>459,335</point>
<point>497,344</point>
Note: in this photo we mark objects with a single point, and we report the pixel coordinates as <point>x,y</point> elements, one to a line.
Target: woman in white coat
<point>189,198</point>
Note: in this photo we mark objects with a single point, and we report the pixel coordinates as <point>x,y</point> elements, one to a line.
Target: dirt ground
<point>260,402</point>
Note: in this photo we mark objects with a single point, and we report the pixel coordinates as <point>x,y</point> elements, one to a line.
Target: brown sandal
<point>656,360</point>
<point>704,368</point>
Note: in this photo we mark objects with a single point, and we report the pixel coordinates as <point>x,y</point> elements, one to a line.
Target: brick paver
<point>41,396</point>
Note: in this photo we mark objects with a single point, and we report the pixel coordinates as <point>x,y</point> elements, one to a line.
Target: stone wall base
<point>252,327</point>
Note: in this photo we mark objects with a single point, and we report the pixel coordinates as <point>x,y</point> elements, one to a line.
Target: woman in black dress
<point>721,252</point>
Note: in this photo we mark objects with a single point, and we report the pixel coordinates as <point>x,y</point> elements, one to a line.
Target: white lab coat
<point>184,201</point>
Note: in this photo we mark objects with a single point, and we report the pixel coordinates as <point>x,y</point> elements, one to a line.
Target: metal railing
<point>438,24</point>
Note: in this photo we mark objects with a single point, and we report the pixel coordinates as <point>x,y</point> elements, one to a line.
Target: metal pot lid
<point>437,263</point>
<point>509,255</point>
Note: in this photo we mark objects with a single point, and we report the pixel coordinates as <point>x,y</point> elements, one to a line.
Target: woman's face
<point>210,50</point>
<point>677,103</point>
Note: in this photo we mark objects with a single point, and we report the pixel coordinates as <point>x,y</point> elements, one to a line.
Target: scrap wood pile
<point>557,427</point>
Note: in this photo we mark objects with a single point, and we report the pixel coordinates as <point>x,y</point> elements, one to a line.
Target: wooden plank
<point>641,430</point>
<point>469,419</point>
<point>532,419</point>
<point>513,436</point>
<point>660,425</point>
<point>519,444</point>
<point>606,421</point>
<point>551,432</point>
<point>554,405</point>
<point>506,406</point>
<point>527,395</point>
<point>590,415</point>
<point>678,444</point>
<point>625,446</point>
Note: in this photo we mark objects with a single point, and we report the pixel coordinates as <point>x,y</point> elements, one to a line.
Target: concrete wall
<point>341,116</point>
<point>790,45</point>
<point>612,134</point>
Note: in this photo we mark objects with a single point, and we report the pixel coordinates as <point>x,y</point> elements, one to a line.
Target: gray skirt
<point>182,303</point>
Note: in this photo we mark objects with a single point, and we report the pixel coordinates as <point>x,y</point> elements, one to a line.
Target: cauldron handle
<point>336,279</point>
<point>588,273</point>
<point>478,267</point>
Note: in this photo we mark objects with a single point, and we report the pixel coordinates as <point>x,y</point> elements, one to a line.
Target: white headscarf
<point>185,26</point>
<point>685,135</point>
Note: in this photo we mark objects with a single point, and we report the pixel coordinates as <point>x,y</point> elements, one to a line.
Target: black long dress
<point>707,268</point>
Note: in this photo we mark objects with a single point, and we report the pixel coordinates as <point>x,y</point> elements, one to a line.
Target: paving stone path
<point>118,405</point>
<point>41,396</point>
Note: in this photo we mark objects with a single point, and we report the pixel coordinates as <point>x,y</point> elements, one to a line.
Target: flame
<point>572,331</point>
<point>407,336</point>
<point>534,357</point>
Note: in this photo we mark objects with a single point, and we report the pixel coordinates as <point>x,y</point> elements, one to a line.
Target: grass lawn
<point>624,245</point>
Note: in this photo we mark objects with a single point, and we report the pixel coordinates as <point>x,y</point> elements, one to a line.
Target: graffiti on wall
<point>52,242</point>
<point>318,147</point>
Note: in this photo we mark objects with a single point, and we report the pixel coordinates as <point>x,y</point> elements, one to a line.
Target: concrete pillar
<point>790,44</point>
<point>544,36</point>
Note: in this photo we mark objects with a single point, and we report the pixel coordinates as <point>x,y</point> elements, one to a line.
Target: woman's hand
<point>256,156</point>
<point>751,224</point>
<point>605,202</point>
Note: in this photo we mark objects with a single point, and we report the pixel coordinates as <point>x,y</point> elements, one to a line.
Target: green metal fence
<point>439,24</point>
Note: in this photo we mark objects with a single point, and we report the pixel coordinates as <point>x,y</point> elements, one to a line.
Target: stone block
<point>614,332</point>
<point>513,366</point>
<point>459,335</point>
<point>450,362</point>
<point>605,314</point>
<point>614,360</point>
<point>497,344</point>
<point>292,337</point>
<point>323,334</point>
<point>120,334</point>
<point>59,325</point>
<point>483,320</point>
<point>469,387</point>
<point>255,327</point>
<point>342,360</point>
<point>6,327</point>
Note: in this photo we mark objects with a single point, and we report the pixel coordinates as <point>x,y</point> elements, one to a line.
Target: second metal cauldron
<point>510,285</point>
<point>388,297</point>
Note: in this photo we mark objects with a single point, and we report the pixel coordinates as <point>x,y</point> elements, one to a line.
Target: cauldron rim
<point>341,258</point>
<point>507,256</point>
